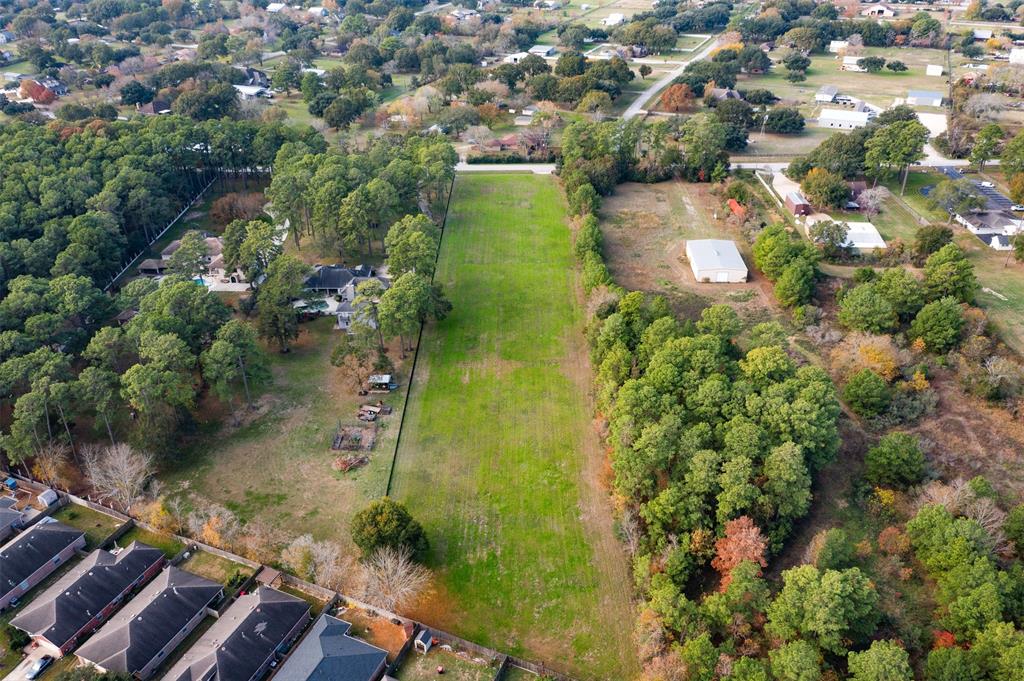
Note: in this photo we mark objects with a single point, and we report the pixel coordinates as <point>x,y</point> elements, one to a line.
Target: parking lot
<point>996,201</point>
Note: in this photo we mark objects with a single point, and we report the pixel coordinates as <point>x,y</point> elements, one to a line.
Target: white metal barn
<point>716,260</point>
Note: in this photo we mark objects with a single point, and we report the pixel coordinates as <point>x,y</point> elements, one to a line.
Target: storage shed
<point>716,260</point>
<point>797,204</point>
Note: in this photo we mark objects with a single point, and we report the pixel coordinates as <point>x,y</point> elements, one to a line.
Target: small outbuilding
<point>797,204</point>
<point>924,98</point>
<point>827,94</point>
<point>850,64</point>
<point>424,641</point>
<point>863,237</point>
<point>716,260</point>
<point>837,46</point>
<point>843,119</point>
<point>937,70</point>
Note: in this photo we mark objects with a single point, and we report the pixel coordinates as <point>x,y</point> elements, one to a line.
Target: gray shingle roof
<point>131,639</point>
<point>328,653</point>
<point>244,637</point>
<point>67,606</point>
<point>32,549</point>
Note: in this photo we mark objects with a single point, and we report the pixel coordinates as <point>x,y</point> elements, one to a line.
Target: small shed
<point>837,46</point>
<point>47,498</point>
<point>736,208</point>
<point>716,260</point>
<point>982,33</point>
<point>380,383</point>
<point>850,64</point>
<point>797,204</point>
<point>937,70</point>
<point>424,641</point>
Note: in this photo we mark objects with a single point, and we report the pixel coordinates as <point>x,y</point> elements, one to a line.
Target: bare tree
<point>50,461</point>
<point>954,496</point>
<point>320,561</point>
<point>984,511</point>
<point>118,472</point>
<point>870,200</point>
<point>391,579</point>
<point>984,106</point>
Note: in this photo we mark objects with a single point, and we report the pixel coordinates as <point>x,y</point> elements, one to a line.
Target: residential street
<point>637,107</point>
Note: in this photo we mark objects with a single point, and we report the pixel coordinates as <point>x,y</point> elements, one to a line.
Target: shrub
<point>595,272</point>
<point>796,283</point>
<point>867,393</point>
<point>589,238</point>
<point>16,638</point>
<point>896,461</point>
<point>1014,527</point>
<point>831,550</point>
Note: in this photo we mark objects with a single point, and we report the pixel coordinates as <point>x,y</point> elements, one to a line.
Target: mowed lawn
<point>493,453</point>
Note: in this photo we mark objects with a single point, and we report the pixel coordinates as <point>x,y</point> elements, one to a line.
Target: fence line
<point>419,342</point>
<point>162,232</point>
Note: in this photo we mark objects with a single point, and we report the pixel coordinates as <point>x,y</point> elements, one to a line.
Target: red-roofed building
<point>736,208</point>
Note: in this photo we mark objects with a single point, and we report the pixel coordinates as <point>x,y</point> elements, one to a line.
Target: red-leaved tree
<point>742,541</point>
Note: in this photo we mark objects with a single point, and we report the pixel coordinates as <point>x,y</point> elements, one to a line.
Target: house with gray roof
<point>328,653</point>
<point>245,640</point>
<point>87,595</point>
<point>33,555</point>
<point>10,517</point>
<point>140,637</point>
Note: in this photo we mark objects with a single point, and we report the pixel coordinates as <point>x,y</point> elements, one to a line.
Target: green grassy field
<point>494,450</point>
<point>169,544</point>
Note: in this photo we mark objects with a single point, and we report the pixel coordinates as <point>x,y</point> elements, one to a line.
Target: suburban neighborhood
<point>498,340</point>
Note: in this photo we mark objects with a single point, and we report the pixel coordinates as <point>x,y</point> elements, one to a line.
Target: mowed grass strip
<point>491,454</point>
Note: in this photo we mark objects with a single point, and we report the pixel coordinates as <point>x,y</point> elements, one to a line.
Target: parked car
<point>40,666</point>
<point>1017,206</point>
<point>987,185</point>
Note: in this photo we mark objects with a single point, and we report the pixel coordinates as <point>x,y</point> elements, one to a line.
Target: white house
<point>276,7</point>
<point>936,69</point>
<point>841,119</point>
<point>863,237</point>
<point>613,19</point>
<point>543,50</point>
<point>924,98</point>
<point>827,94</point>
<point>837,46</point>
<point>1017,55</point>
<point>982,33</point>
<point>716,260</point>
<point>878,11</point>
<point>250,92</point>
<point>850,64</point>
<point>997,229</point>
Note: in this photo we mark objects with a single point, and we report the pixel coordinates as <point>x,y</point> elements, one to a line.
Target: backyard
<point>97,526</point>
<point>498,459</point>
<point>285,449</point>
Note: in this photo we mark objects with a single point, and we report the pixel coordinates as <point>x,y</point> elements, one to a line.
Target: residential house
<point>542,50</point>
<point>996,228</point>
<point>10,517</point>
<point>841,119</point>
<point>254,76</point>
<point>461,14</point>
<point>6,37</point>
<point>276,7</point>
<point>55,86</point>
<point>158,107</point>
<point>861,237</point>
<point>245,640</point>
<point>87,595</point>
<point>722,93</point>
<point>924,98</point>
<point>329,652</point>
<point>153,624</point>
<point>879,11</point>
<point>613,19</point>
<point>827,94</point>
<point>33,555</point>
<point>850,64</point>
<point>797,204</point>
<point>514,58</point>
<point>716,260</point>
<point>837,46</point>
<point>214,258</point>
<point>342,282</point>
<point>253,92</point>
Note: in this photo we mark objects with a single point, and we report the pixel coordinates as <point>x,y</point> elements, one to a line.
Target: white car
<point>987,185</point>
<point>1017,207</point>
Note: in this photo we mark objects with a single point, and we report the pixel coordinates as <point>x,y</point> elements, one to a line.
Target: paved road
<point>637,107</point>
<point>535,168</point>
<point>940,164</point>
